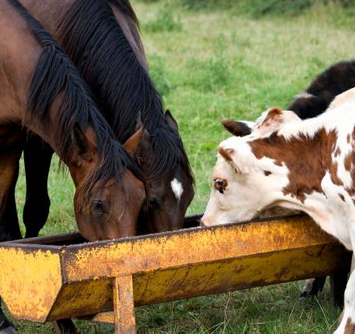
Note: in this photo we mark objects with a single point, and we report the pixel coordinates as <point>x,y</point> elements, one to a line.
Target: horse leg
<point>37,158</point>
<point>9,228</point>
<point>6,327</point>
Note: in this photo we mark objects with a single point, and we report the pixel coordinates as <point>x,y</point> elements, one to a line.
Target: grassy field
<point>211,64</point>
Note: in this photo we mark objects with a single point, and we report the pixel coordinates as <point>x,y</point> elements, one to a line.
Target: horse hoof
<point>8,330</point>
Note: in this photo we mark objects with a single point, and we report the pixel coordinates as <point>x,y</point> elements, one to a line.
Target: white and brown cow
<point>304,165</point>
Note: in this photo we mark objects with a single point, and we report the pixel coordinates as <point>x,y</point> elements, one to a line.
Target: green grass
<point>210,65</point>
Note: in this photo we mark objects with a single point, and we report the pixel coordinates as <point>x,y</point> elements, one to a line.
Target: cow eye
<point>220,184</point>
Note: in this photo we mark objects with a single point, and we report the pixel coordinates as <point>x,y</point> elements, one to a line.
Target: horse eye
<point>98,206</point>
<point>155,203</point>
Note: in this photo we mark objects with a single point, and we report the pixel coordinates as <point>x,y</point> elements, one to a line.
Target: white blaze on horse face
<point>177,188</point>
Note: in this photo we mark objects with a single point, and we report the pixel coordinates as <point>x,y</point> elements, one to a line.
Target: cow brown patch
<point>349,327</point>
<point>333,171</point>
<point>307,159</point>
<point>337,152</point>
<point>226,154</point>
<point>347,162</point>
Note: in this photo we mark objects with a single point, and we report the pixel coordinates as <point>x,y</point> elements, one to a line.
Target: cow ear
<point>273,119</point>
<point>236,128</point>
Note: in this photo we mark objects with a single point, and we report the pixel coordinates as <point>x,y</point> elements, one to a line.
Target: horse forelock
<point>99,48</point>
<point>168,154</point>
<point>106,170</point>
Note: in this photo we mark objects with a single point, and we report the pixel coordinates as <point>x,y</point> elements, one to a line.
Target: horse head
<point>170,191</point>
<point>106,207</point>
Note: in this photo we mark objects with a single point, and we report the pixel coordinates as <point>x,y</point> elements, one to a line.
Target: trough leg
<point>123,301</point>
<point>64,326</point>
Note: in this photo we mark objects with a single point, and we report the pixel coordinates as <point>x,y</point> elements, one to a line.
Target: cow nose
<point>204,221</point>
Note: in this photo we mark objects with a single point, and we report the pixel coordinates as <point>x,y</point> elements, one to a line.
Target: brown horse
<point>102,38</point>
<point>42,91</point>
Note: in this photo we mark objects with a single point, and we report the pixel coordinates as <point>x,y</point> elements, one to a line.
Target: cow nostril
<point>204,222</point>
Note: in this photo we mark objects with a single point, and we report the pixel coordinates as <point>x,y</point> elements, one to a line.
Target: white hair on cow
<point>303,95</point>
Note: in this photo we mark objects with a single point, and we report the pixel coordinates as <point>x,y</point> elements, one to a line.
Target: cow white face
<point>231,199</point>
<point>243,185</point>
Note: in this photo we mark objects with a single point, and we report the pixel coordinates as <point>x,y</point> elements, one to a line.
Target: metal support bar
<point>123,302</point>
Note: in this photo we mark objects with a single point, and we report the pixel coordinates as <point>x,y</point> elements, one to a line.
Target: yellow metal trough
<point>51,278</point>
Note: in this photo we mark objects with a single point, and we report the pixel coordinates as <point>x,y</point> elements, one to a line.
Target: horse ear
<point>171,121</point>
<point>132,144</point>
<point>239,129</point>
<point>81,145</point>
<point>139,123</point>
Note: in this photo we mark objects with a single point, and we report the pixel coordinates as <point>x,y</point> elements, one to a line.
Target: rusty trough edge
<point>76,256</point>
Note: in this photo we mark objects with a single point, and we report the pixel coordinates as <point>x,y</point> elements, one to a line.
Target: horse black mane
<point>55,74</point>
<point>102,53</point>
<point>126,8</point>
<point>335,80</point>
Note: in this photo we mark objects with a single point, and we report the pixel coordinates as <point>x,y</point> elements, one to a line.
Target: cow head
<point>242,184</point>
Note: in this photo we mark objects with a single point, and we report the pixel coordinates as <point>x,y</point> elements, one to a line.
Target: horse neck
<point>131,31</point>
<point>48,12</point>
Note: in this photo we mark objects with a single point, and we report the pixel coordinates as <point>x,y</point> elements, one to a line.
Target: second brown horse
<point>102,38</point>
